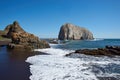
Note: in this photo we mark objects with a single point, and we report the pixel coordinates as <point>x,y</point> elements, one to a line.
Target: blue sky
<point>45,17</point>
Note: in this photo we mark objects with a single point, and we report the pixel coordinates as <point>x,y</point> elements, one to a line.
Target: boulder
<point>71,32</point>
<point>22,40</point>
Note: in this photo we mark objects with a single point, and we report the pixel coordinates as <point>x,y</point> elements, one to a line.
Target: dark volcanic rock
<point>72,32</point>
<point>107,51</point>
<point>22,40</point>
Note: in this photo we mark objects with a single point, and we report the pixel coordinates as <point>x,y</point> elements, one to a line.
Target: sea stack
<point>22,40</point>
<point>72,32</point>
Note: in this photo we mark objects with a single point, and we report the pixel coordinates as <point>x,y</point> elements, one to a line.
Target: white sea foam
<point>101,66</point>
<point>52,51</point>
<point>57,67</point>
<point>76,67</point>
<point>52,45</point>
<point>97,39</point>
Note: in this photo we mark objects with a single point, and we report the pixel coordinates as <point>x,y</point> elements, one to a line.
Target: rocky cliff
<point>71,32</point>
<point>22,40</point>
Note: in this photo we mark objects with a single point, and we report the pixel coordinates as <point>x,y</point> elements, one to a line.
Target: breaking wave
<point>97,39</point>
<point>57,66</point>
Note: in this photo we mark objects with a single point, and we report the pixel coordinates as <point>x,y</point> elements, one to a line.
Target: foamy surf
<point>57,66</point>
<point>52,51</point>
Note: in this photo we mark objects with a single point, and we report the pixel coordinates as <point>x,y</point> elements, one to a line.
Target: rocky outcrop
<point>71,32</point>
<point>22,40</point>
<point>13,28</point>
<point>107,51</point>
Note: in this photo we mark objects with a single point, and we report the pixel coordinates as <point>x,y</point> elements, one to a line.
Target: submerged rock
<point>71,32</point>
<point>22,40</point>
<point>107,51</point>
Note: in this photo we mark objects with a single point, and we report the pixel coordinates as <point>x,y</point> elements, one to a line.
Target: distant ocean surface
<point>90,44</point>
<point>56,66</point>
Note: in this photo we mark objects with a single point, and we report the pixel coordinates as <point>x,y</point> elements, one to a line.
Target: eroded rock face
<point>22,40</point>
<point>71,32</point>
<point>15,27</point>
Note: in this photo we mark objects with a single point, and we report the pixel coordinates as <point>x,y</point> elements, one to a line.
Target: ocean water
<point>56,66</point>
<point>83,44</point>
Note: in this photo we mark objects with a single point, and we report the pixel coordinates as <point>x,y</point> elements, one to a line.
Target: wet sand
<point>13,65</point>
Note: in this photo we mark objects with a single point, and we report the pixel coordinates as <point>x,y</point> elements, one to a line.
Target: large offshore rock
<point>22,40</point>
<point>71,32</point>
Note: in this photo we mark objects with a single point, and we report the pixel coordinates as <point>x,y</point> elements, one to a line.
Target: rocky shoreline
<point>22,40</point>
<point>4,42</point>
<point>107,51</point>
